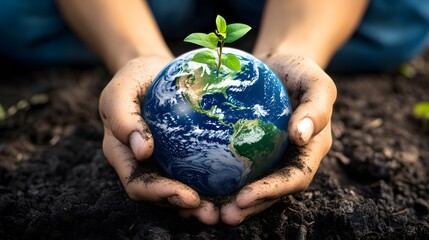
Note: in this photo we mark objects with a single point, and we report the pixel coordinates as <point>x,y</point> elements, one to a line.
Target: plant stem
<point>220,56</point>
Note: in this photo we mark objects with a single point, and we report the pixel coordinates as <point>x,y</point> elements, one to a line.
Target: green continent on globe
<point>253,142</point>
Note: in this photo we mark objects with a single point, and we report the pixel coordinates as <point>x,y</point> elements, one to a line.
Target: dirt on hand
<point>56,184</point>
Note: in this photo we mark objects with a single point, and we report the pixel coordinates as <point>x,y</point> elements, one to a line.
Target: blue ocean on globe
<point>217,131</point>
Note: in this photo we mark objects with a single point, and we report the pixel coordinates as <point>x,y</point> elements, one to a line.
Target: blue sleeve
<point>34,32</point>
<point>391,32</point>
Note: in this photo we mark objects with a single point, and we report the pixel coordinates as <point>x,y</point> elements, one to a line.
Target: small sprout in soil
<point>2,113</point>
<point>23,105</point>
<point>408,70</point>
<point>39,99</point>
<point>421,110</point>
<point>215,41</point>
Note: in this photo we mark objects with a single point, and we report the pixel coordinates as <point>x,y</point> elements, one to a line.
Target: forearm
<point>316,29</point>
<point>117,31</point>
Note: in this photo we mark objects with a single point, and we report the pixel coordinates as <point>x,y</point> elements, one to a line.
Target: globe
<point>215,131</point>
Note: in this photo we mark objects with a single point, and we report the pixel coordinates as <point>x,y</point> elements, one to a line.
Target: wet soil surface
<point>56,184</point>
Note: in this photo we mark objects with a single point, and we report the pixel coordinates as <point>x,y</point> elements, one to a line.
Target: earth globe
<point>217,131</point>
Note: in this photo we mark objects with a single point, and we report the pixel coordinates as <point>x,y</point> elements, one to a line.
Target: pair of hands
<point>127,139</point>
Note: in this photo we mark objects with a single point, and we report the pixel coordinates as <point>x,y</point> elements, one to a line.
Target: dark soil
<point>56,184</point>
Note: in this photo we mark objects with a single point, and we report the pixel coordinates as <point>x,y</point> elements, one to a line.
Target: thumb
<point>312,94</point>
<point>120,106</point>
<point>305,124</point>
<point>314,109</point>
<point>141,144</point>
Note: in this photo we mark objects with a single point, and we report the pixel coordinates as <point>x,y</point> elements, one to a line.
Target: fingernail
<point>306,129</point>
<point>136,142</point>
<point>240,221</point>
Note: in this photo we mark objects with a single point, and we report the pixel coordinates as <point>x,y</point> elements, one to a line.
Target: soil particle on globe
<point>56,184</point>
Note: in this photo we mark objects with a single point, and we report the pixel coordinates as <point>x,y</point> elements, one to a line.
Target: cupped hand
<point>312,94</point>
<point>127,141</point>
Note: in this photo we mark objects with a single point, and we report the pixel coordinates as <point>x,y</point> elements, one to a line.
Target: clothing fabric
<point>391,32</point>
<point>34,33</point>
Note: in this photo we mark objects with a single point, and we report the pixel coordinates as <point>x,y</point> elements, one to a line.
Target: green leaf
<point>231,61</point>
<point>220,24</point>
<point>206,57</point>
<point>421,109</point>
<point>407,70</point>
<point>2,113</point>
<point>202,39</point>
<point>221,36</point>
<point>213,38</point>
<point>236,31</point>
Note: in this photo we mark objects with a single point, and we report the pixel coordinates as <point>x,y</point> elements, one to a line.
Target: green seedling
<point>215,41</point>
<point>421,110</point>
<point>2,113</point>
<point>23,105</point>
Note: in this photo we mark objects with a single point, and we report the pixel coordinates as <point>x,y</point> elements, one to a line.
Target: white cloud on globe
<point>259,111</point>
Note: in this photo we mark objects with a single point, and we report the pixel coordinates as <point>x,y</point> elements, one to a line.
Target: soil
<point>56,184</point>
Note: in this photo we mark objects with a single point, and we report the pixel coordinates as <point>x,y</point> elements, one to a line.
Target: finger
<point>206,213</point>
<point>315,93</point>
<point>288,179</point>
<point>312,93</point>
<point>232,214</point>
<point>148,186</point>
<point>120,106</point>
